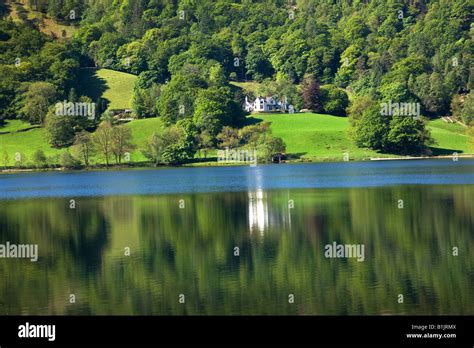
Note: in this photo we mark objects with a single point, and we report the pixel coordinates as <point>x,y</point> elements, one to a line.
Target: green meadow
<point>26,143</point>
<point>450,137</point>
<point>114,86</point>
<point>14,126</point>
<point>308,137</point>
<point>317,137</point>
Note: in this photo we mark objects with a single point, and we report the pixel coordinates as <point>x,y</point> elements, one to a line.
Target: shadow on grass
<point>202,159</point>
<point>295,156</point>
<point>249,121</point>
<point>91,85</point>
<point>443,152</point>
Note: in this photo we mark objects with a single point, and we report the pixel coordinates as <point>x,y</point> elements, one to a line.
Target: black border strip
<point>139,330</point>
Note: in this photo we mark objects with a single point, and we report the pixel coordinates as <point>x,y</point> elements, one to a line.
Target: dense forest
<point>318,55</point>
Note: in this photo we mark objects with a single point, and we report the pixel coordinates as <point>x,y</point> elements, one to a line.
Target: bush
<point>408,136</point>
<point>258,137</point>
<point>60,130</point>
<point>269,146</point>
<point>335,100</point>
<point>39,158</point>
<point>69,162</point>
<point>467,112</point>
<point>250,134</point>
<point>174,146</point>
<point>398,134</point>
<point>372,129</point>
<point>228,137</point>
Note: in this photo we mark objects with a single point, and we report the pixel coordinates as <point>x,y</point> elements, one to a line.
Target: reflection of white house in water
<point>258,211</point>
<point>267,104</point>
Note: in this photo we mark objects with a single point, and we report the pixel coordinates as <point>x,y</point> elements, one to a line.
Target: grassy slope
<point>35,139</point>
<point>142,131</point>
<point>314,136</point>
<point>249,86</point>
<point>14,125</point>
<point>447,141</point>
<point>25,143</point>
<point>114,86</point>
<point>324,137</point>
<point>311,136</point>
<point>120,88</point>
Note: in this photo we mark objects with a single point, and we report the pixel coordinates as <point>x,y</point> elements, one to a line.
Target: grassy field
<point>249,86</point>
<point>142,130</point>
<point>450,138</point>
<point>14,126</point>
<point>25,143</point>
<point>309,137</point>
<point>316,137</point>
<point>114,86</point>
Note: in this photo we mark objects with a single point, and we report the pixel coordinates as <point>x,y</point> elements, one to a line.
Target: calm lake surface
<point>182,226</point>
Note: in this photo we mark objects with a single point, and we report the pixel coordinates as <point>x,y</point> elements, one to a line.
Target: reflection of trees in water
<point>78,235</point>
<point>283,262</point>
<point>70,246</point>
<point>88,236</point>
<point>8,228</point>
<point>190,251</point>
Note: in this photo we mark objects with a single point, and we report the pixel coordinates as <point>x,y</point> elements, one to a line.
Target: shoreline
<point>216,164</point>
<point>421,157</point>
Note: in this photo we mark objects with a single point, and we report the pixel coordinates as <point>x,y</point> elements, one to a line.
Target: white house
<point>267,104</point>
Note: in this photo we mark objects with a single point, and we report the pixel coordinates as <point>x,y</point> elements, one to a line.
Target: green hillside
<point>309,137</point>
<point>142,131</point>
<point>25,143</point>
<point>199,59</point>
<point>450,138</point>
<point>114,86</point>
<point>28,142</point>
<point>14,126</point>
<point>324,137</point>
<point>315,136</point>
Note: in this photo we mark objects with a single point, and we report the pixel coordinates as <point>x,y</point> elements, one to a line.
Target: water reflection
<point>258,211</point>
<point>191,251</point>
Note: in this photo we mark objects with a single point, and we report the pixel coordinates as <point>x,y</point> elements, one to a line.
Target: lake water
<point>182,227</point>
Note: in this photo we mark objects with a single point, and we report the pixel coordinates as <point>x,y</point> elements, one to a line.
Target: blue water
<point>238,178</point>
